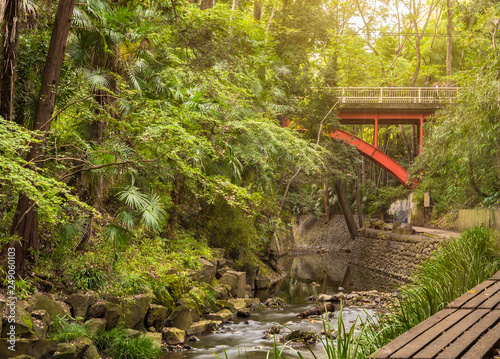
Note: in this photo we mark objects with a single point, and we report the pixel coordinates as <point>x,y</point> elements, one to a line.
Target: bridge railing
<point>396,94</point>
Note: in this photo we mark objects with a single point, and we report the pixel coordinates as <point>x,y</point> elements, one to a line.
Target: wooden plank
<point>496,276</point>
<point>463,342</point>
<point>457,303</point>
<point>492,302</point>
<point>399,342</point>
<point>485,345</point>
<point>450,335</point>
<point>430,335</point>
<point>482,297</point>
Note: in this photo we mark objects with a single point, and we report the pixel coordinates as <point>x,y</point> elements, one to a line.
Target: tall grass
<point>452,270</point>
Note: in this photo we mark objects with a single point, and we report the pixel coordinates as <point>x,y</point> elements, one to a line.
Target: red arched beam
<point>375,155</point>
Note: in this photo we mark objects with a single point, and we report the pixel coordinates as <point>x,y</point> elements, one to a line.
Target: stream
<point>308,275</point>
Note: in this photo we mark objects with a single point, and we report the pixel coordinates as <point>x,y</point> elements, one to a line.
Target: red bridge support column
<point>375,133</point>
<point>421,131</point>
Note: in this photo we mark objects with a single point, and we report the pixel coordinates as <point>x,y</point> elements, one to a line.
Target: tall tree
<point>449,38</point>
<point>10,39</point>
<point>25,222</point>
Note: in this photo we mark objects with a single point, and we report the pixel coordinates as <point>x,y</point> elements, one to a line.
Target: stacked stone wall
<point>393,254</point>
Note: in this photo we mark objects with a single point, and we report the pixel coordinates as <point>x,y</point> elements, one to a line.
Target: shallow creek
<point>308,274</point>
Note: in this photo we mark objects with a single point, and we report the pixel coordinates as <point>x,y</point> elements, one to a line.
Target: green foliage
<point>141,347</point>
<point>104,339</point>
<point>118,345</point>
<point>63,329</point>
<point>17,177</point>
<point>459,164</point>
<point>381,200</point>
<point>88,278</point>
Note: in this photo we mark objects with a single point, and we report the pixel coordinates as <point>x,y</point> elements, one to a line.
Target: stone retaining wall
<point>312,232</point>
<point>389,253</point>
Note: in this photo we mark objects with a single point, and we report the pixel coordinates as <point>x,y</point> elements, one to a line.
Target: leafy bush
<point>62,329</point>
<point>142,347</point>
<point>89,278</point>
<point>104,340</point>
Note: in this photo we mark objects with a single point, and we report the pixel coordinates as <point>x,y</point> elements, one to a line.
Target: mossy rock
<point>223,304</point>
<point>23,326</point>
<point>190,303</point>
<point>107,310</point>
<point>65,351</point>
<point>157,316</point>
<point>47,302</point>
<point>224,315</point>
<point>180,318</point>
<point>134,310</point>
<point>173,336</point>
<point>202,327</point>
<point>95,325</point>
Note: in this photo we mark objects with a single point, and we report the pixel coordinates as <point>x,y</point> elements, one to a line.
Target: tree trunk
<point>449,38</point>
<point>206,4</point>
<point>235,5</point>
<point>326,200</point>
<point>25,223</point>
<point>407,144</point>
<point>346,208</point>
<point>257,10</point>
<point>10,39</point>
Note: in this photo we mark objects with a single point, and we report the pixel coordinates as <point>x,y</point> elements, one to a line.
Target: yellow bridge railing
<point>434,95</point>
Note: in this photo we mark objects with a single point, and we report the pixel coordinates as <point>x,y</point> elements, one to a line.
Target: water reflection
<point>308,274</point>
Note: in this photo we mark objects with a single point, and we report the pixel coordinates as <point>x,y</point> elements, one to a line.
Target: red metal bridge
<point>388,106</point>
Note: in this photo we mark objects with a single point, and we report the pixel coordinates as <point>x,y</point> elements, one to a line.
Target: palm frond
<point>152,214</point>
<point>98,78</point>
<point>119,236</point>
<point>133,198</point>
<point>126,218</point>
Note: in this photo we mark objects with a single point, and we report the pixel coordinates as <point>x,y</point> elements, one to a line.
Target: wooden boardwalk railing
<point>469,328</point>
<point>396,94</point>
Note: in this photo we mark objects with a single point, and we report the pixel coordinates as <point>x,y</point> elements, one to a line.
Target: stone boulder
<point>23,326</point>
<point>82,344</point>
<point>157,316</point>
<point>134,311</point>
<point>238,303</point>
<point>202,327</point>
<point>41,322</point>
<point>65,351</point>
<point>191,304</point>
<point>221,292</point>
<point>54,308</point>
<point>252,302</point>
<point>223,304</point>
<point>107,310</point>
<point>262,282</point>
<point>173,336</point>
<point>207,272</point>
<point>80,304</point>
<point>224,316</point>
<point>237,282</point>
<point>180,318</point>
<point>22,347</point>
<point>43,348</point>
<point>95,325</point>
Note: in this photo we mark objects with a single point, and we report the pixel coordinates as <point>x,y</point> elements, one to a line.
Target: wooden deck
<point>468,328</point>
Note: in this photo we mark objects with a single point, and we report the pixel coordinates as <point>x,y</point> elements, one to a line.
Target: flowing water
<point>308,274</point>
